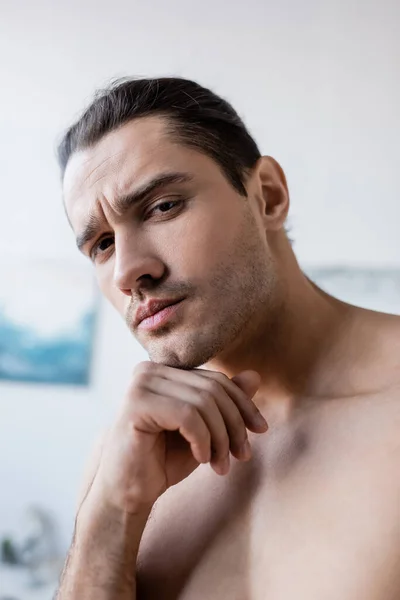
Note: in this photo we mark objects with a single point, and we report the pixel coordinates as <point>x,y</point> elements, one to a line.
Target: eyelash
<point>95,249</point>
<point>174,202</point>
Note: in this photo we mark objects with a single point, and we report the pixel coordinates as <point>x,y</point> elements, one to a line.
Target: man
<point>191,495</point>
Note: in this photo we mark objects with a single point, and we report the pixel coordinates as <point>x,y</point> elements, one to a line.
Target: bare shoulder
<point>379,334</point>
<point>386,369</point>
<point>389,337</point>
<point>368,400</point>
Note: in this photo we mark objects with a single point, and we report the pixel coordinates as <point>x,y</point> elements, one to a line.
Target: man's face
<point>189,236</point>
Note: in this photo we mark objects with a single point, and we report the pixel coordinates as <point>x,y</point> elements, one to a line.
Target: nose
<point>133,265</point>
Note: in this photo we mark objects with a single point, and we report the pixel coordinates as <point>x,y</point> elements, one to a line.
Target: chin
<point>185,354</point>
<point>175,359</point>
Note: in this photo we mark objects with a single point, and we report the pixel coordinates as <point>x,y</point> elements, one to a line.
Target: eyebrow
<point>124,203</point>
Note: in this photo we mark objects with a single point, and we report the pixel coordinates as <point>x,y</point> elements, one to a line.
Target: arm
<point>101,562</point>
<point>170,421</point>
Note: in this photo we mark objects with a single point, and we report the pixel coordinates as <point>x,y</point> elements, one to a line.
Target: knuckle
<point>138,381</point>
<point>205,395</point>
<point>143,367</point>
<point>142,373</point>
<point>206,399</point>
<point>213,388</point>
<point>221,378</point>
<point>188,414</point>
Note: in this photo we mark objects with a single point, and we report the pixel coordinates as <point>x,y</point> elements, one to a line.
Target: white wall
<point>316,82</point>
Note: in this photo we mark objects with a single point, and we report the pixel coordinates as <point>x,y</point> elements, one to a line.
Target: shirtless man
<point>190,494</point>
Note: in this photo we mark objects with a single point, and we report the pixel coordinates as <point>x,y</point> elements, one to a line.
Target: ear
<point>271,193</point>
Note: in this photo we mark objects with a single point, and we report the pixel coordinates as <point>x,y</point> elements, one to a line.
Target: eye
<point>101,246</point>
<point>165,206</point>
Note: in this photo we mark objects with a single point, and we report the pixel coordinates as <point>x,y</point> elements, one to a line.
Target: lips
<point>152,307</point>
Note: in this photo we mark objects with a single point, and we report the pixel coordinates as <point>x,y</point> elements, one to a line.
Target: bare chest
<point>311,516</point>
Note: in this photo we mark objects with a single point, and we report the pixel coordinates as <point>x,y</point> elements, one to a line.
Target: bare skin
<point>315,513</point>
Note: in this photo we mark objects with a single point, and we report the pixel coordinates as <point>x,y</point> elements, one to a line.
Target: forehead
<point>137,144</point>
<point>129,155</point>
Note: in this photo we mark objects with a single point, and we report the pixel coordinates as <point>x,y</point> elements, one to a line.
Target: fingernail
<point>260,421</point>
<point>246,450</point>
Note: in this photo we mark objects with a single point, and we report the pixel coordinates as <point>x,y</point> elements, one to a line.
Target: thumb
<point>248,381</point>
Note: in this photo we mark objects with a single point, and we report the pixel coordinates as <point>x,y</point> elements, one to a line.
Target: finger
<point>212,391</point>
<point>209,407</point>
<point>251,415</point>
<point>248,381</point>
<point>235,425</point>
<point>156,413</point>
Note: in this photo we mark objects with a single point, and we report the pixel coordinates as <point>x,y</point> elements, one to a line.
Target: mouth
<point>161,317</point>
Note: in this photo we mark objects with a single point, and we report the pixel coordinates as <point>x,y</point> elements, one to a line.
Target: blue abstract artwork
<point>47,322</point>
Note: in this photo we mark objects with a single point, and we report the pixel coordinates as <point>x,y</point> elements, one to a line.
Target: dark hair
<point>196,117</point>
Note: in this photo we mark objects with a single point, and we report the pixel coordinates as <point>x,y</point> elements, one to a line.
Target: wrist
<point>97,517</point>
<point>97,507</point>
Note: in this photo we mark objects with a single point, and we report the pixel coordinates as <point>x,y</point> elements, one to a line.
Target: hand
<point>172,420</point>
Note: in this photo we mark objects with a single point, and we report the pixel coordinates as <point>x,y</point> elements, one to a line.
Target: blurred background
<point>318,85</point>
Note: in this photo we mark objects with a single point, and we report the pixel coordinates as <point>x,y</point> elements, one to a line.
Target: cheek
<point>105,282</point>
<point>202,241</point>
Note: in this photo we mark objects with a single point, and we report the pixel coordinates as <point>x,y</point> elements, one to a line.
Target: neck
<point>289,348</point>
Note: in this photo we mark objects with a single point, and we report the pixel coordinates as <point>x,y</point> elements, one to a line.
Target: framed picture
<point>47,322</point>
<point>375,289</point>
